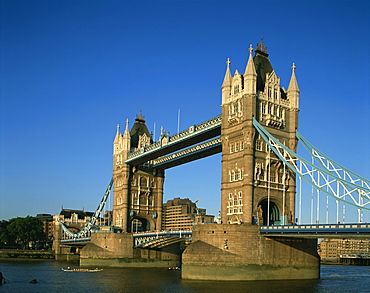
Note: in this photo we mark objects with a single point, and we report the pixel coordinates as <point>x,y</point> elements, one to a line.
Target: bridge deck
<point>159,239</point>
<point>318,231</point>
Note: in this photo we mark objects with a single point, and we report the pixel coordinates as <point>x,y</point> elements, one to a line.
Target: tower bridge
<point>262,235</point>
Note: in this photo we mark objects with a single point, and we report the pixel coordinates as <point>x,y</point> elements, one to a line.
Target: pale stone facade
<point>334,249</point>
<point>254,182</point>
<point>138,191</point>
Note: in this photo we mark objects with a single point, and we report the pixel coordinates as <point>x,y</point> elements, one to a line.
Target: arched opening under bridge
<point>140,225</point>
<point>270,212</point>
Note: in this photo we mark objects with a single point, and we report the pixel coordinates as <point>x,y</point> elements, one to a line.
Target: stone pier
<point>116,250</point>
<point>238,252</point>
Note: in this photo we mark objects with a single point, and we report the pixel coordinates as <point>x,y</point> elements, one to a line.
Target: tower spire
<point>228,77</point>
<point>250,74</point>
<point>293,84</point>
<point>226,85</point>
<point>117,134</point>
<point>293,90</point>
<point>126,138</point>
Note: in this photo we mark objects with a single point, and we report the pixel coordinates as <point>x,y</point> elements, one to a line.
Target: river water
<point>51,278</point>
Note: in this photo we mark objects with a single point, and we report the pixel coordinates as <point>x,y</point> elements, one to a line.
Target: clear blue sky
<point>72,70</point>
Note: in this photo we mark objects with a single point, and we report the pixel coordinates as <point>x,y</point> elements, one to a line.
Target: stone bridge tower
<point>138,190</point>
<point>256,187</point>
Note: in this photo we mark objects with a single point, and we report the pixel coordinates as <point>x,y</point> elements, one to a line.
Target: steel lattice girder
<point>87,228</point>
<point>333,185</point>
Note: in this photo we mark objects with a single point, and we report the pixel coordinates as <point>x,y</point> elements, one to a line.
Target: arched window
<point>143,182</point>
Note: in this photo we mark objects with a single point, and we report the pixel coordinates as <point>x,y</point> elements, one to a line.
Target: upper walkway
<point>169,144</point>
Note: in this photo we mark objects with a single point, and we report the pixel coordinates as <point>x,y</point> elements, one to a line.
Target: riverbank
<point>21,254</point>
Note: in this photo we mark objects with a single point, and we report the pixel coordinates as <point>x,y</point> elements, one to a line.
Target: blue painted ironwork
<point>167,144</point>
<point>161,238</point>
<point>318,231</point>
<point>75,240</point>
<point>331,165</point>
<point>201,150</point>
<point>87,228</point>
<point>332,184</point>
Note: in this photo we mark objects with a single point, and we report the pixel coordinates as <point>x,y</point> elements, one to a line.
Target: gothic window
<point>280,176</point>
<point>119,219</point>
<point>236,175</point>
<point>263,108</point>
<point>143,182</point>
<point>144,141</point>
<point>259,145</point>
<point>272,177</point>
<point>142,199</point>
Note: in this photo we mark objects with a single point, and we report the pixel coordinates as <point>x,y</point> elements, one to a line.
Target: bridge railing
<point>317,226</point>
<point>191,150</point>
<point>318,230</point>
<point>185,134</point>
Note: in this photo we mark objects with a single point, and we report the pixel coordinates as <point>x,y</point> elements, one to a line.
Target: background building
<point>47,222</point>
<point>344,250</point>
<point>183,214</point>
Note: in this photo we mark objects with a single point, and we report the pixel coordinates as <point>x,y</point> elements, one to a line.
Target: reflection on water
<point>51,278</point>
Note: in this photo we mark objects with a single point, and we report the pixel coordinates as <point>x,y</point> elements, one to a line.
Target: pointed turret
<point>117,134</point>
<point>117,141</point>
<point>226,85</point>
<point>126,138</point>
<point>293,90</point>
<point>250,75</point>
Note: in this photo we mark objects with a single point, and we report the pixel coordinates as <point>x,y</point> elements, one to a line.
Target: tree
<point>25,230</point>
<point>5,237</point>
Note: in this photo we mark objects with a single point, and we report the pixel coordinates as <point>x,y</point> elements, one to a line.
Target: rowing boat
<point>81,270</point>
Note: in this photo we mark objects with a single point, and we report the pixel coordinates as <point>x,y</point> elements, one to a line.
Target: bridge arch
<point>269,212</point>
<point>141,224</point>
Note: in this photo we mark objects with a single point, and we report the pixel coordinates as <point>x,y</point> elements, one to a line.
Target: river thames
<point>51,278</point>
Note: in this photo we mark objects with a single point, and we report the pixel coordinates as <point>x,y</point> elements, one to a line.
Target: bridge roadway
<point>159,239</point>
<point>361,230</point>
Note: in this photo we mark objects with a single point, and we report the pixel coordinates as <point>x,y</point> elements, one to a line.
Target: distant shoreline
<point>21,254</point>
